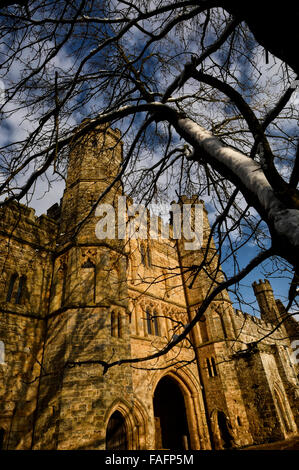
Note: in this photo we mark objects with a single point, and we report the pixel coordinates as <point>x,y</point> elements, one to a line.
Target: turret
<point>94,162</point>
<point>266,300</point>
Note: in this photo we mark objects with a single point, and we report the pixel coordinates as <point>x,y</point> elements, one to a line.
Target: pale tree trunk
<point>248,175</point>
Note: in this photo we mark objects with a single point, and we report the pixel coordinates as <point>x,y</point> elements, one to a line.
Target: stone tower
<point>88,318</point>
<point>71,301</point>
<point>267,303</point>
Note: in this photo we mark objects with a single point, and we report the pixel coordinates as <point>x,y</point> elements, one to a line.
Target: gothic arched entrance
<point>116,436</point>
<point>171,425</point>
<point>225,430</point>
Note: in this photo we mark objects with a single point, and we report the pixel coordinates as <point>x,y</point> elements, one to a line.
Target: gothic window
<point>87,265</point>
<point>149,257</point>
<point>120,325</point>
<point>142,252</point>
<point>204,330</point>
<point>156,324</point>
<point>19,297</point>
<point>12,282</point>
<point>116,324</point>
<point>59,283</point>
<point>149,322</point>
<point>152,323</point>
<point>222,325</point>
<point>214,367</point>
<point>21,290</point>
<point>146,257</point>
<point>89,280</point>
<point>211,366</point>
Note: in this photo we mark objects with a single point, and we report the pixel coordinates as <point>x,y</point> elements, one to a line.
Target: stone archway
<point>225,430</point>
<point>116,433</point>
<point>171,424</point>
<point>125,426</point>
<point>223,436</point>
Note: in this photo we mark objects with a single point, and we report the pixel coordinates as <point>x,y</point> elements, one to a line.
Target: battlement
<point>88,124</point>
<point>261,286</point>
<point>265,297</point>
<point>251,318</point>
<point>21,222</point>
<point>253,327</point>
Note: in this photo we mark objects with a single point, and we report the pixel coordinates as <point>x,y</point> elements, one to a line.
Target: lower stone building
<point>70,303</point>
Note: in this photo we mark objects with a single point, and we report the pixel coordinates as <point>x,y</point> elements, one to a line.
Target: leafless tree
<point>204,93</point>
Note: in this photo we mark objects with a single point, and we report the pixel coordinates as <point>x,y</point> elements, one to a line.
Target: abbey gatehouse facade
<point>70,302</point>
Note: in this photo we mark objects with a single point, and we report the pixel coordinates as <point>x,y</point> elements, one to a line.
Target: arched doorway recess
<point>171,426</point>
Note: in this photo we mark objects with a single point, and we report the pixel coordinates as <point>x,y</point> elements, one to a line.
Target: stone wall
<point>84,301</point>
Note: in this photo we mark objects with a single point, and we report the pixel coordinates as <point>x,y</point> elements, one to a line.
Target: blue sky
<point>260,86</point>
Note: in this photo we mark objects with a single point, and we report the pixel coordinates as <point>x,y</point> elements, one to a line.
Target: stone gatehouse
<point>67,297</point>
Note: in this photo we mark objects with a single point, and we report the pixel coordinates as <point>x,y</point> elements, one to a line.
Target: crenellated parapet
<point>20,223</point>
<point>265,297</point>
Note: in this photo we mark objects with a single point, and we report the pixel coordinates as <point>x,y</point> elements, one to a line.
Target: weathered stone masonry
<point>66,296</point>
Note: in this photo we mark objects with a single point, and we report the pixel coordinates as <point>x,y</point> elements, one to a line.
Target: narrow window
<point>149,257</point>
<point>62,281</point>
<point>223,325</point>
<point>204,329</point>
<point>114,323</point>
<point>166,282</point>
<point>120,325</point>
<point>239,421</point>
<point>149,322</point>
<point>12,282</point>
<point>156,324</point>
<point>63,291</point>
<point>89,277</point>
<point>214,367</point>
<point>209,368</point>
<point>21,290</point>
<point>142,252</point>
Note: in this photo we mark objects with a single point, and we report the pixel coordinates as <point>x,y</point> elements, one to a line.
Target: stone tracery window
<point>146,257</point>
<point>152,323</point>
